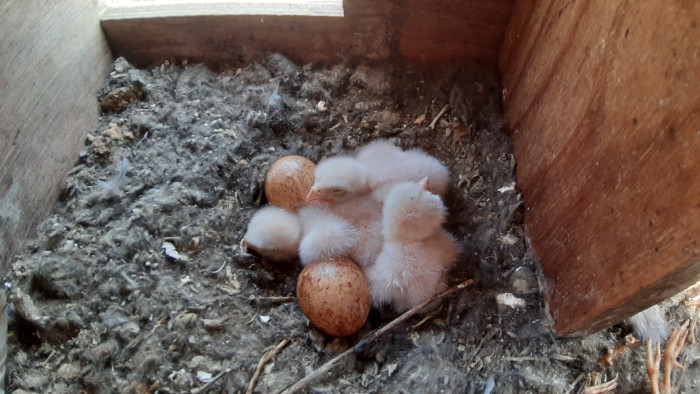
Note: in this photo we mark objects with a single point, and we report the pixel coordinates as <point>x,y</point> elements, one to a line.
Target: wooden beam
<point>54,59</point>
<point>178,8</point>
<point>603,102</point>
<point>416,30</point>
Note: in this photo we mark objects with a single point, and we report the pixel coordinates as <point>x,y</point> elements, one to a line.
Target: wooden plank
<point>54,59</point>
<point>604,108</point>
<point>440,31</point>
<point>416,30</point>
<point>236,40</point>
<point>180,8</point>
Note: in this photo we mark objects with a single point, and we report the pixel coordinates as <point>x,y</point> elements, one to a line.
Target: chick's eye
<point>337,192</point>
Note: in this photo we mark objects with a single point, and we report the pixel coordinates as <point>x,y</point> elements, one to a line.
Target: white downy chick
<point>422,165</point>
<point>341,186</point>
<point>324,235</point>
<point>376,167</point>
<point>364,213</point>
<point>344,183</point>
<point>417,252</point>
<point>351,228</point>
<point>273,233</point>
<point>338,179</point>
<point>387,165</point>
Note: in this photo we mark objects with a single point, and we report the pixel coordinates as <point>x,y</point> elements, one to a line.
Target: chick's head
<point>338,179</point>
<point>273,233</point>
<point>412,213</point>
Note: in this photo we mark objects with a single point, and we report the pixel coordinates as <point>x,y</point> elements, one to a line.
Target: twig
<point>425,319</point>
<point>437,117</point>
<point>274,299</point>
<point>525,358</point>
<point>220,268</point>
<point>488,335</point>
<point>602,388</point>
<point>562,358</point>
<point>46,362</point>
<point>264,359</point>
<point>693,323</point>
<point>212,381</point>
<point>576,382</point>
<point>369,338</point>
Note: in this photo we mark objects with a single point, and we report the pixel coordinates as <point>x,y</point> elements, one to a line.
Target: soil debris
<point>97,306</point>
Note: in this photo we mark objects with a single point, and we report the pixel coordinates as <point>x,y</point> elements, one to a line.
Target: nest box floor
<point>96,305</point>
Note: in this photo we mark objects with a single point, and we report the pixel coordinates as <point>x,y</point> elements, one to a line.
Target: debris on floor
<point>138,282</point>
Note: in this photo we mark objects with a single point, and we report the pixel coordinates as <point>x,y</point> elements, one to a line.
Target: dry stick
<point>275,299</point>
<point>606,387</point>
<point>212,381</point>
<point>437,117</point>
<point>693,323</point>
<point>265,358</point>
<point>262,361</point>
<point>369,338</point>
<point>425,319</point>
<point>576,381</point>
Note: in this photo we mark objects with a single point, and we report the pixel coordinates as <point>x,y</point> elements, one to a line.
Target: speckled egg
<point>288,181</point>
<point>334,295</point>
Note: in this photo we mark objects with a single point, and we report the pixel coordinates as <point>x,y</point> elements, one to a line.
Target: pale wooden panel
<point>417,30</point>
<point>180,8</point>
<point>53,61</point>
<point>603,102</point>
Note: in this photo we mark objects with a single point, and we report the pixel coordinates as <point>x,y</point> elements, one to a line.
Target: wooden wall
<point>53,61</point>
<point>418,30</point>
<point>603,101</point>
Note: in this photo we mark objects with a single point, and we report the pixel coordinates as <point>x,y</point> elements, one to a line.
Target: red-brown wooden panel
<point>603,102</point>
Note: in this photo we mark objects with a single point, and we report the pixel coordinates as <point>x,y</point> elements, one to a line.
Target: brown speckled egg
<point>334,295</point>
<point>288,181</point>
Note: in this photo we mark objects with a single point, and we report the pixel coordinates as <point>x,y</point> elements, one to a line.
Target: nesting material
<point>199,145</point>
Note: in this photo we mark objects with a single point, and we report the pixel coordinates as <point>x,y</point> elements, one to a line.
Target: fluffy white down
<point>387,164</point>
<point>407,273</point>
<point>378,153</point>
<point>324,235</point>
<point>412,213</point>
<point>274,233</point>
<point>429,167</point>
<point>650,324</point>
<point>341,172</point>
<point>364,213</point>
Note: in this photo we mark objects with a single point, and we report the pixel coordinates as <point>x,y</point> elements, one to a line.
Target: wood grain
<point>416,30</point>
<point>54,59</point>
<point>603,103</point>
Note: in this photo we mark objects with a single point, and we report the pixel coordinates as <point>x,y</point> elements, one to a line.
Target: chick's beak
<point>316,195</point>
<point>244,245</point>
<point>424,183</point>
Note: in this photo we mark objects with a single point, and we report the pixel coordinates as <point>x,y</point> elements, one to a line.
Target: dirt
<point>97,306</point>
